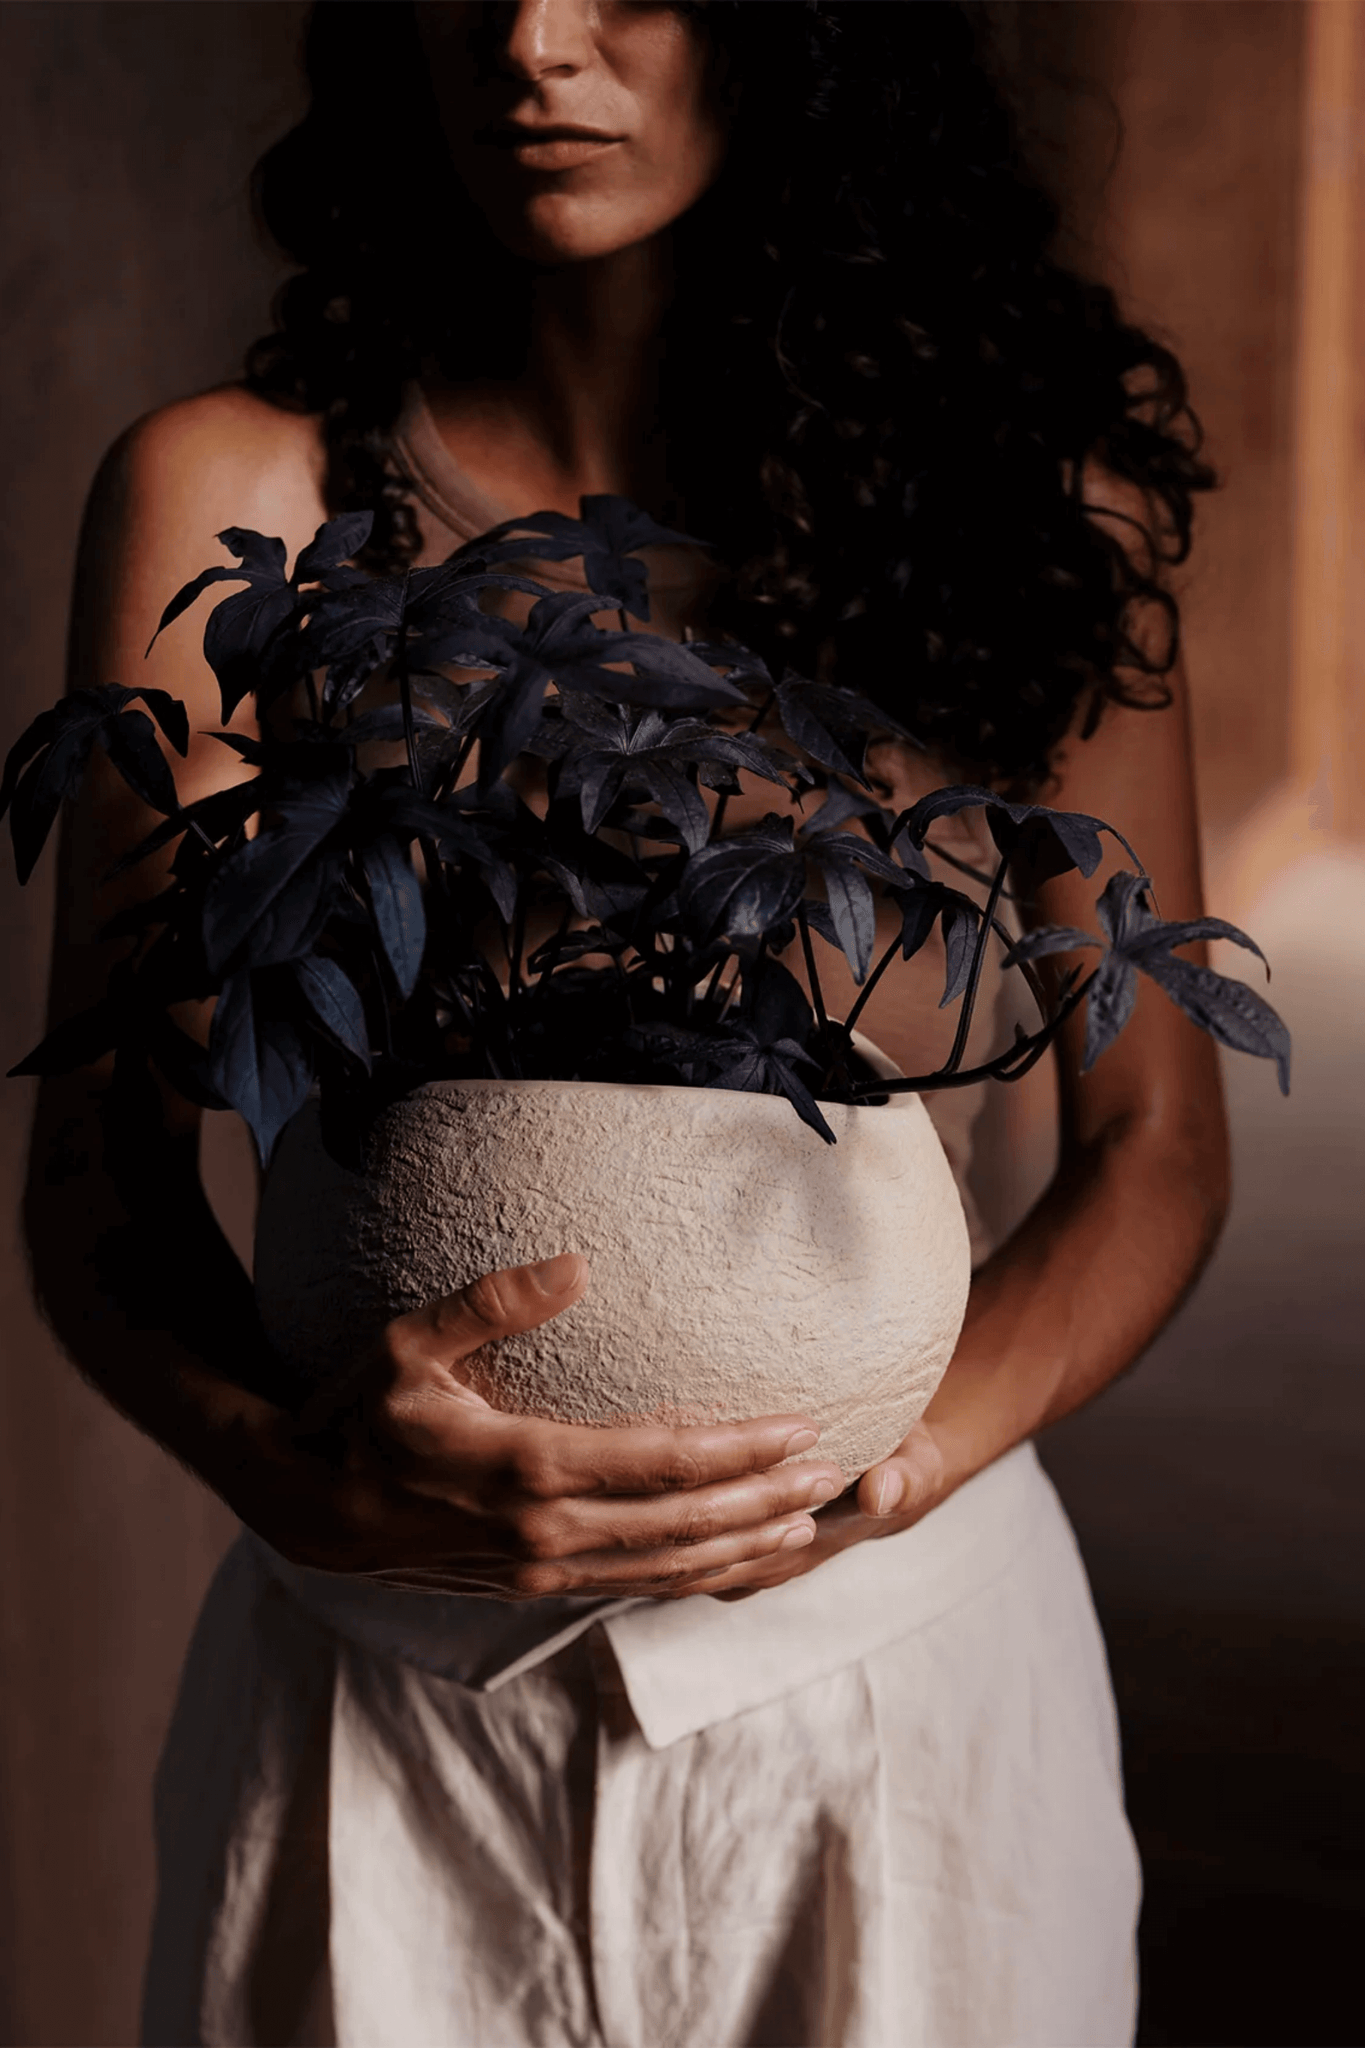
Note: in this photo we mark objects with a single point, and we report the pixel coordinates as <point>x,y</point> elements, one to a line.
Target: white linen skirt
<point>671,1832</point>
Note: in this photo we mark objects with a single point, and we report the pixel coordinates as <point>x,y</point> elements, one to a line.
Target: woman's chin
<point>558,228</point>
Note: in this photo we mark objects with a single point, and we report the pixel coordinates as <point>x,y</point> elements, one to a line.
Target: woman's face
<point>578,127</point>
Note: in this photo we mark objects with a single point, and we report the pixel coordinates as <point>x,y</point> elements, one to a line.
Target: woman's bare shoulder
<point>169,485</point>
<point>222,458</point>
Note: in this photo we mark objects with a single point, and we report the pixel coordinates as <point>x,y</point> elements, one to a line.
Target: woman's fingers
<point>549,1460</point>
<point>670,1568</point>
<point>559,1505</point>
<point>495,1305</point>
<point>477,1456</point>
<point>559,1460</point>
<point>909,1481</point>
<point>569,1528</point>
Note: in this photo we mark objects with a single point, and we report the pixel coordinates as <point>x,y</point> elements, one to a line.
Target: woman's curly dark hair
<point>882,396</point>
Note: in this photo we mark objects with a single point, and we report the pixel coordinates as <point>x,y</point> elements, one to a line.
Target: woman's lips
<point>552,149</point>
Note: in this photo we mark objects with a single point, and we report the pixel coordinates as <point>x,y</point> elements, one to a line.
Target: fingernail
<point>804,1440</point>
<point>553,1276</point>
<point>796,1538</point>
<point>888,1493</point>
<point>823,1490</point>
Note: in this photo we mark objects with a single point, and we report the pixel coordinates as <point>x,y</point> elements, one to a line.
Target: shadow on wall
<point>129,274</point>
<point>1217,1493</point>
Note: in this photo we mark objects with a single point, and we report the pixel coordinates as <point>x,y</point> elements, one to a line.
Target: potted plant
<point>494,981</point>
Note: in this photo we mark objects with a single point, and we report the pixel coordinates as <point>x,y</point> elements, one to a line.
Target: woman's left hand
<point>889,1497</point>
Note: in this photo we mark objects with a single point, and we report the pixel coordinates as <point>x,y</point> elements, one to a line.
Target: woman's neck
<point>581,416</point>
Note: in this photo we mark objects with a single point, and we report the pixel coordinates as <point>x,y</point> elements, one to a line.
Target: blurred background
<point>1211,157</point>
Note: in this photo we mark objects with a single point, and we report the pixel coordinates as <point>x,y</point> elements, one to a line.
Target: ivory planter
<point>740,1266</point>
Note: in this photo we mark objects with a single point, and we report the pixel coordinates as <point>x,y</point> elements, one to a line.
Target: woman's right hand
<point>416,1481</point>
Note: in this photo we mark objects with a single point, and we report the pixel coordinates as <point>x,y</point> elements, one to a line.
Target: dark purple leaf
<point>605,538</point>
<point>257,1062</point>
<point>239,636</point>
<point>385,723</point>
<point>334,1000</point>
<point>840,805</point>
<point>920,912</point>
<point>293,922</point>
<point>961,924</point>
<point>336,541</point>
<point>567,947</point>
<point>1228,1010</point>
<point>396,899</point>
<point>185,596</point>
<point>247,748</point>
<point>1049,841</point>
<point>244,890</point>
<point>48,763</point>
<point>778,1006</point>
<point>246,634</point>
<point>735,659</point>
<point>743,1061</point>
<point>78,1041</point>
<point>170,715</point>
<point>1191,931</point>
<point>218,816</point>
<point>38,795</point>
<point>745,885</point>
<point>1108,1006</point>
<point>130,742</point>
<point>261,555</point>
<point>1048,939</point>
<point>941,803</point>
<point>1120,910</point>
<point>854,914</point>
<point>833,726</point>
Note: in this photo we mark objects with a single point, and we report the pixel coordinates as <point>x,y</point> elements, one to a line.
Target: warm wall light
<point>1327,719</point>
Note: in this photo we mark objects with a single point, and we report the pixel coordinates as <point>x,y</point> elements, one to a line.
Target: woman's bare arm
<point>152,1305</point>
<point>1141,1187</point>
<point>1140,1192</point>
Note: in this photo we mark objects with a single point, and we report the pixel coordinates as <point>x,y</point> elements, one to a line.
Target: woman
<point>461,1757</point>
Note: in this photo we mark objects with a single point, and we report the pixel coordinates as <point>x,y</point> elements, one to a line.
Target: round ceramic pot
<point>740,1265</point>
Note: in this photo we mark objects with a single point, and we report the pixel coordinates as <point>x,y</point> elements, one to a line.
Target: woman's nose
<point>545,38</point>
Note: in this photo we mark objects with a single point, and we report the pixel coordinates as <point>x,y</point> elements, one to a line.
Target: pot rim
<point>885,1069</point>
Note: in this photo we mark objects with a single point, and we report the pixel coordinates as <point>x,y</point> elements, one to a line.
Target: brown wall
<point>1224,1474</point>
<point>130,275</point>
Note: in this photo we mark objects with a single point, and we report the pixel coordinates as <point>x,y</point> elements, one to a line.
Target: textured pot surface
<point>740,1266</point>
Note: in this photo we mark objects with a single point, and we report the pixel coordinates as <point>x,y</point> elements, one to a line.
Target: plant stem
<point>850,1022</point>
<point>451,780</point>
<point>1011,1065</point>
<point>515,950</point>
<point>817,995</point>
<point>755,722</point>
<point>405,691</point>
<point>1026,968</point>
<point>730,995</point>
<point>764,708</point>
<point>965,867</point>
<point>866,990</point>
<point>985,932</point>
<point>714,983</point>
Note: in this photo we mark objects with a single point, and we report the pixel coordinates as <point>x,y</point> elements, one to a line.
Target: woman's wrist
<point>223,1432</point>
